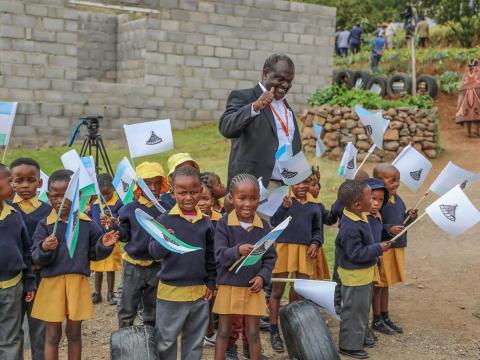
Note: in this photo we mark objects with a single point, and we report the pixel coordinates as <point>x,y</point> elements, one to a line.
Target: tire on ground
<point>342,78</point>
<point>399,84</point>
<point>377,85</point>
<point>428,84</point>
<point>359,79</point>
<point>305,333</point>
<point>133,342</point>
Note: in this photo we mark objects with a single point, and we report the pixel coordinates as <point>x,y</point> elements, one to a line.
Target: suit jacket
<point>254,139</point>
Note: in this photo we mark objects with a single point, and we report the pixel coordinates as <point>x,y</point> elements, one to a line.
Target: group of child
<point>191,294</point>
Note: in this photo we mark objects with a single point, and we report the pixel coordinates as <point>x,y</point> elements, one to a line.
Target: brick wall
<point>60,62</point>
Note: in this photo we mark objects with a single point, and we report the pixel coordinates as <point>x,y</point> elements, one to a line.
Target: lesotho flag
<point>162,235</point>
<point>124,181</point>
<point>73,224</point>
<point>348,164</point>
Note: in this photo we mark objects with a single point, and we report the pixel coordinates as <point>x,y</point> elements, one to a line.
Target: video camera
<point>91,122</point>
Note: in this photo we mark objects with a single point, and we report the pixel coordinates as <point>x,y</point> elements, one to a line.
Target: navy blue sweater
<point>95,213</point>
<point>58,262</point>
<point>227,243</point>
<point>355,245</point>
<point>31,220</point>
<point>377,227</point>
<point>394,214</point>
<point>306,226</point>
<point>167,201</point>
<point>193,268</point>
<point>132,232</point>
<point>15,250</point>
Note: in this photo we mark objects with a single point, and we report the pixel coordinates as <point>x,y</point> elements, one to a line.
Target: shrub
<point>450,82</point>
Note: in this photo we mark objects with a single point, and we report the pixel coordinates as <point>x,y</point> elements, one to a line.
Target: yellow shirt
<point>27,205</point>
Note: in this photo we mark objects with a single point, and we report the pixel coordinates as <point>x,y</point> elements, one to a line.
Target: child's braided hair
<point>205,180</point>
<point>241,178</point>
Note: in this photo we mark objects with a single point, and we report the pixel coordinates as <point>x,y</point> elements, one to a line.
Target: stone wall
<point>341,125</point>
<point>131,50</point>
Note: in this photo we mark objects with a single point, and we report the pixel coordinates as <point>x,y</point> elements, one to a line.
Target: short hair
<point>361,175</point>
<point>382,168</point>
<point>25,161</point>
<point>205,179</point>
<point>350,192</point>
<point>242,178</point>
<point>185,171</point>
<point>104,180</point>
<point>60,175</point>
<point>273,59</point>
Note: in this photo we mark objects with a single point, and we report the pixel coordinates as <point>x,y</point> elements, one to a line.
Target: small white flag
<point>413,167</point>
<point>72,161</point>
<point>270,201</point>
<point>374,123</point>
<point>294,169</point>
<point>7,115</point>
<point>42,191</point>
<point>453,212</point>
<point>124,181</point>
<point>89,164</point>
<point>320,292</point>
<point>73,223</point>
<point>450,176</point>
<point>348,164</point>
<point>320,148</point>
<point>149,138</point>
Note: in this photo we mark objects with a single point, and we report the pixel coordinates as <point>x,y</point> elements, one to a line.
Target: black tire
<point>342,78</point>
<point>430,84</point>
<point>377,85</point>
<point>305,333</point>
<point>133,342</point>
<point>359,79</point>
<point>399,84</point>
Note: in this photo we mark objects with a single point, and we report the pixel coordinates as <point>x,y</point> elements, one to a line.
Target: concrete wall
<point>180,63</point>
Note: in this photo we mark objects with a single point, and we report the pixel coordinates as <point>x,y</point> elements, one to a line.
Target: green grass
<point>208,148</point>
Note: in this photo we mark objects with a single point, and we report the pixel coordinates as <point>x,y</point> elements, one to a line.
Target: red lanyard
<point>284,125</point>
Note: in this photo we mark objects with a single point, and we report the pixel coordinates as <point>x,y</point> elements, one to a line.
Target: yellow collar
<point>110,202</point>
<point>53,217</point>
<point>391,199</point>
<point>378,216</point>
<point>144,201</point>
<point>309,199</point>
<point>27,205</point>
<point>177,211</point>
<point>233,220</point>
<point>6,210</point>
<point>215,215</point>
<point>355,217</point>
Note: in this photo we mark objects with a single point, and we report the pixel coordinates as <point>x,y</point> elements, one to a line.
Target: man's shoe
<point>210,341</point>
<point>277,343</point>
<point>382,328</point>
<point>392,325</point>
<point>96,298</point>
<point>231,353</point>
<point>357,354</point>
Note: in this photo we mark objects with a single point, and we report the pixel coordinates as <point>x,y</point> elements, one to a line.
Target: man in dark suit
<point>259,121</point>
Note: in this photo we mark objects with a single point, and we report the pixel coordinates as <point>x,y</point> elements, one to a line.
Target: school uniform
<point>305,228</point>
<point>114,261</point>
<point>167,201</point>
<point>16,278</point>
<point>234,296</point>
<point>183,281</point>
<point>140,269</point>
<point>32,211</point>
<point>64,289</point>
<point>392,263</point>
<point>321,271</point>
<point>357,255</point>
<point>215,217</point>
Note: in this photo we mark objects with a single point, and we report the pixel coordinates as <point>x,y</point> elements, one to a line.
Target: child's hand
<point>209,294</point>
<point>385,246</point>
<point>30,296</point>
<point>257,284</point>
<point>287,202</point>
<point>396,229</point>
<point>312,251</point>
<point>50,243</point>
<point>116,220</point>
<point>171,231</point>
<point>245,249</point>
<point>106,221</point>
<point>110,238</point>
<point>413,213</point>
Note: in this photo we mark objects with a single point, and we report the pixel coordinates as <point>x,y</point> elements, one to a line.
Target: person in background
<point>377,46</point>
<point>356,38</point>
<point>390,35</point>
<point>423,32</point>
<point>342,40</point>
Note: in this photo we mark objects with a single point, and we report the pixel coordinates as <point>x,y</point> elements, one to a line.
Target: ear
<point>40,183</point>
<point>171,191</point>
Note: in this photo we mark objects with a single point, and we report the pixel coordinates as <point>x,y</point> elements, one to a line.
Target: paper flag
<point>124,181</point>
<point>320,148</point>
<point>348,164</point>
<point>149,195</point>
<point>374,123</point>
<point>7,116</point>
<point>320,292</point>
<point>413,167</point>
<point>450,176</point>
<point>73,224</point>
<point>42,191</point>
<point>270,201</point>
<point>294,169</point>
<point>149,138</point>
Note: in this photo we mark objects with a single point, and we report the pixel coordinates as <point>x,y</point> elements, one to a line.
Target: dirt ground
<point>438,306</point>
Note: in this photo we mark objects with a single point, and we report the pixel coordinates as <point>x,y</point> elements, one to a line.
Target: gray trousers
<point>139,286</point>
<point>11,322</point>
<point>354,316</point>
<point>36,327</point>
<point>186,318</point>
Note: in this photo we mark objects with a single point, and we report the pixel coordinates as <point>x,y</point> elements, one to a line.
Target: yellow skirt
<point>111,263</point>
<point>391,269</point>
<point>63,296</point>
<point>321,266</point>
<point>293,258</point>
<point>235,300</point>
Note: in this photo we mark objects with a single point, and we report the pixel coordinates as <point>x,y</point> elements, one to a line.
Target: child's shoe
<point>381,327</point>
<point>357,354</point>
<point>231,353</point>
<point>210,341</point>
<point>111,299</point>
<point>277,343</point>
<point>96,298</point>
<point>369,341</point>
<point>392,325</point>
<point>246,354</point>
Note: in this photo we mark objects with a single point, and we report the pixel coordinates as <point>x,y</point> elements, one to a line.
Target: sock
<point>377,318</point>
<point>385,315</point>
<point>273,329</point>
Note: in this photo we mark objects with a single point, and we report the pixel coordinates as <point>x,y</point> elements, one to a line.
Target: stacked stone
<point>342,125</point>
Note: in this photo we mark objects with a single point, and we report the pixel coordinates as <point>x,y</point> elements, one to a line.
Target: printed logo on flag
<point>368,129</point>
<point>416,175</point>
<point>154,139</point>
<point>351,164</point>
<point>125,186</point>
<point>449,211</point>
<point>463,185</point>
<point>287,174</point>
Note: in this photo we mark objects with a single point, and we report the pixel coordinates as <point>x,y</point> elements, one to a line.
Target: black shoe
<point>372,334</point>
<point>357,354</point>
<point>393,326</point>
<point>231,353</point>
<point>111,299</point>
<point>264,325</point>
<point>246,354</point>
<point>96,298</point>
<point>277,343</point>
<point>369,341</point>
<point>383,328</point>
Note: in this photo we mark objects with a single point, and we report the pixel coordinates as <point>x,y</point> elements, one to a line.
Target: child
<point>357,255</point>
<point>26,181</point>
<point>241,293</point>
<point>174,162</point>
<point>139,267</point>
<point>218,190</point>
<point>392,262</point>
<point>16,276</point>
<point>111,205</point>
<point>6,192</point>
<point>297,248</point>
<point>64,290</point>
<point>187,281</point>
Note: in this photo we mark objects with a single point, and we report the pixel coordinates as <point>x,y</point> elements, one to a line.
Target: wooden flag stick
<point>234,265</point>
<point>370,151</point>
<point>416,206</point>
<point>4,153</point>
<point>55,225</point>
<point>396,237</point>
<point>289,191</point>
<point>283,280</point>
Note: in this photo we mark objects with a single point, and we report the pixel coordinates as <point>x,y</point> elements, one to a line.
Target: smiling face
<point>56,192</point>
<point>300,190</point>
<point>26,181</point>
<point>245,197</point>
<point>186,191</point>
<point>205,201</point>
<point>378,196</point>
<point>280,77</point>
<point>391,179</point>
